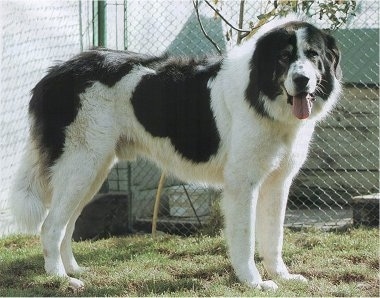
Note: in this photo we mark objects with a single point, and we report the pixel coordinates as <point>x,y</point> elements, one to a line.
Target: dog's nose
<point>301,82</point>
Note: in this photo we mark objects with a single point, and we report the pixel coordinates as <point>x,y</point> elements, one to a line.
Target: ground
<point>344,263</point>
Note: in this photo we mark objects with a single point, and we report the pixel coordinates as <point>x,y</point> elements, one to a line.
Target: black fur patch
<point>267,68</point>
<point>55,99</point>
<point>267,63</point>
<point>331,66</point>
<point>175,103</point>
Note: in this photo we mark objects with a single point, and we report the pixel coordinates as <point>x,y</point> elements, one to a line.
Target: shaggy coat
<point>242,122</point>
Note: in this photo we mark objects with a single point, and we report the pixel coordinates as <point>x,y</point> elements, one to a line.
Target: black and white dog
<point>243,122</point>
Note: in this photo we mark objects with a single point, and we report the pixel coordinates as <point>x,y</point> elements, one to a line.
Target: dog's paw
<point>267,285</point>
<point>75,284</point>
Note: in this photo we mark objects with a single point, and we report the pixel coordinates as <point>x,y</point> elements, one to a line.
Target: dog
<point>243,122</point>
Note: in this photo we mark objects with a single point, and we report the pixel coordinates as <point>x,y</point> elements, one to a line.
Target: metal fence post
<point>125,25</point>
<point>99,10</point>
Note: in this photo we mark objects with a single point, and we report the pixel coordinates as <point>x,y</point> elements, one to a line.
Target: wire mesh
<point>343,160</point>
<point>34,35</point>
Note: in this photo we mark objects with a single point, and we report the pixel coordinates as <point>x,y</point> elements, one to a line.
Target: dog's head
<point>294,72</point>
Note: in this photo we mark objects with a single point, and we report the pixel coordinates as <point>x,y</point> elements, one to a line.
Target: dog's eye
<point>284,57</point>
<point>311,54</point>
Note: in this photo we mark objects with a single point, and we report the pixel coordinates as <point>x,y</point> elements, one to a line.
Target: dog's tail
<point>30,193</point>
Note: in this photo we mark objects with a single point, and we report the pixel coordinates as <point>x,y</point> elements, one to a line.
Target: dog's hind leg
<point>68,259</point>
<point>69,262</point>
<point>74,180</point>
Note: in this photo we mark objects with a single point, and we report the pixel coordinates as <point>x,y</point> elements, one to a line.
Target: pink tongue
<point>302,105</point>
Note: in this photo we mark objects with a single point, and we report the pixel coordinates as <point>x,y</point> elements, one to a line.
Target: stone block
<point>366,210</point>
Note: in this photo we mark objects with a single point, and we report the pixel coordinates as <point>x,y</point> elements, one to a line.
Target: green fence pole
<point>125,25</point>
<point>99,9</point>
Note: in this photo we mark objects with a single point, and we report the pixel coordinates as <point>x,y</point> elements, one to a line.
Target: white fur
<point>302,66</point>
<point>256,162</point>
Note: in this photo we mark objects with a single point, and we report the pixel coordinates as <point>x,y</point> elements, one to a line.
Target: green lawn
<point>336,264</point>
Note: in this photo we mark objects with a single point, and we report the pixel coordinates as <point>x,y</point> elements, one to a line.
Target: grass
<point>336,264</point>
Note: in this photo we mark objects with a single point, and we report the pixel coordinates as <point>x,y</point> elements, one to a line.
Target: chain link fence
<point>343,160</point>
<point>33,36</point>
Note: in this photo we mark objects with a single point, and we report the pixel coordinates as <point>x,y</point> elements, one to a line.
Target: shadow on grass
<point>26,277</point>
<point>108,263</point>
<point>23,269</point>
<point>115,249</point>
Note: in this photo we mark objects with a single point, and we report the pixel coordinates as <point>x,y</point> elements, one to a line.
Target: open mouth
<point>302,104</point>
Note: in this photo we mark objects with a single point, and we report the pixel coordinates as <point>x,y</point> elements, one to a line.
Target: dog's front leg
<point>239,207</point>
<point>271,209</point>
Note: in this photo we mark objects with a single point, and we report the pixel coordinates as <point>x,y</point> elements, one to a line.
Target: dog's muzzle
<point>302,101</point>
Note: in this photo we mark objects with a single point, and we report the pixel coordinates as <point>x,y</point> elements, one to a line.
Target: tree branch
<point>241,18</point>
<point>225,20</point>
<point>196,7</point>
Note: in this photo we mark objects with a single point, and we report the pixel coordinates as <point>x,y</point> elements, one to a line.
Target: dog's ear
<point>333,54</point>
